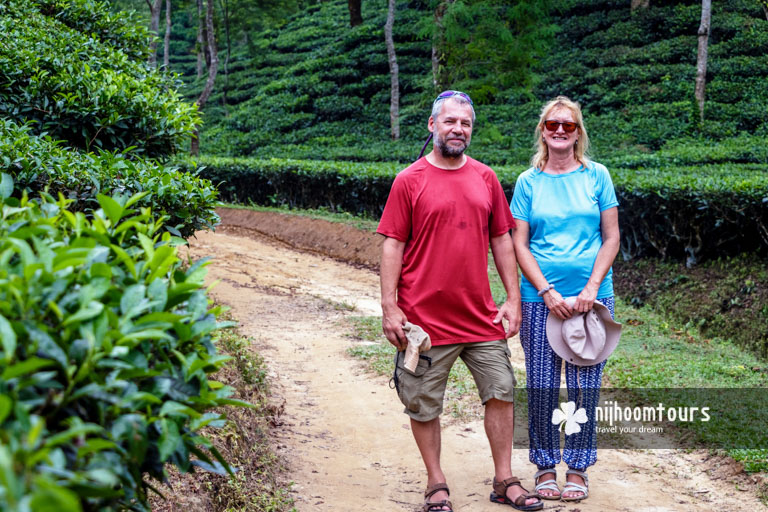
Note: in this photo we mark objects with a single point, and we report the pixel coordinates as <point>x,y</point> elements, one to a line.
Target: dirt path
<point>345,439</point>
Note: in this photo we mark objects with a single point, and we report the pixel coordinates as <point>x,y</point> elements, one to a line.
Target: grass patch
<point>726,298</point>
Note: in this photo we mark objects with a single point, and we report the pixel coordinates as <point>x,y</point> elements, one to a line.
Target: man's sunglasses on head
<point>450,94</point>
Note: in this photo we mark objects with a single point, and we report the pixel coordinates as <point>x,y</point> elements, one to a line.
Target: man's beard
<point>451,151</point>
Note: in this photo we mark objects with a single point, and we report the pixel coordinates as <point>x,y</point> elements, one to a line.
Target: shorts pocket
<point>409,384</point>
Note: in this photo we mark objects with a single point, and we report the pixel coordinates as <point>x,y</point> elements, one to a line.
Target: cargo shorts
<point>422,392</point>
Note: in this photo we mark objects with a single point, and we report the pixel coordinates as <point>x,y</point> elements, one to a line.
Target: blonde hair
<point>580,149</point>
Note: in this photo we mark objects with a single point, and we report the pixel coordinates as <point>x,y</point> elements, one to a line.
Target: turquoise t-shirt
<point>563,211</point>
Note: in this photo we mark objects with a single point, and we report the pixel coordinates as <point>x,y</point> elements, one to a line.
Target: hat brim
<point>561,348</point>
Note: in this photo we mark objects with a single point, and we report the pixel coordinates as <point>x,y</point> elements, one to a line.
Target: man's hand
<point>392,321</point>
<point>511,311</point>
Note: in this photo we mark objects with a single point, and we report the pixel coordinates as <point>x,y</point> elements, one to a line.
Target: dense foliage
<point>38,163</point>
<point>106,347</point>
<point>106,336</point>
<point>316,89</point>
<point>75,85</point>
<point>682,212</point>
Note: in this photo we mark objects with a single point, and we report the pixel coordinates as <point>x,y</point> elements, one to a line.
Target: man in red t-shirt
<point>441,215</point>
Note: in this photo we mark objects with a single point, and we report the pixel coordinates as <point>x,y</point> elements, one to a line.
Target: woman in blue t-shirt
<point>566,239</point>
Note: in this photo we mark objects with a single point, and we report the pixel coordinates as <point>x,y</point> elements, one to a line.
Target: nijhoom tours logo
<point>650,418</point>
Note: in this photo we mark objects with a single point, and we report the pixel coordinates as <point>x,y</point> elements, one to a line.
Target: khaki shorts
<point>422,392</point>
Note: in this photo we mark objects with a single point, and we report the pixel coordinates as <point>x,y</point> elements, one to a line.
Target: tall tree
<point>639,4</point>
<point>394,99</point>
<point>439,46</point>
<point>200,44</point>
<point>701,56</point>
<point>154,27</point>
<point>355,12</point>
<point>212,69</point>
<point>224,8</point>
<point>764,5</point>
<point>167,41</point>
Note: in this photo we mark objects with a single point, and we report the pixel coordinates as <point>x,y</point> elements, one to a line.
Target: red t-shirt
<point>446,219</point>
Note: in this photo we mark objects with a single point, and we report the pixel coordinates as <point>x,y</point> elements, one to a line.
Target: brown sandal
<point>436,506</point>
<point>499,495</point>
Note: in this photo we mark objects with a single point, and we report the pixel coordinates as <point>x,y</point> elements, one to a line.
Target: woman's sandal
<point>499,495</point>
<point>549,485</point>
<point>436,506</point>
<point>574,487</point>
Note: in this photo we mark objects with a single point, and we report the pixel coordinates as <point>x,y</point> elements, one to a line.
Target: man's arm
<point>393,318</point>
<point>506,264</point>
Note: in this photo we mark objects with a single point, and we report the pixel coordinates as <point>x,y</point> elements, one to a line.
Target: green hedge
<point>106,349</point>
<point>681,213</point>
<point>39,163</point>
<point>74,86</point>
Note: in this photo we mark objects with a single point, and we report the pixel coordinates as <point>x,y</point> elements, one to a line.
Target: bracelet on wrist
<point>544,290</point>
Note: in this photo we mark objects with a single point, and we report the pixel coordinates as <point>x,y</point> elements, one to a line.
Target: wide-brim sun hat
<point>585,339</point>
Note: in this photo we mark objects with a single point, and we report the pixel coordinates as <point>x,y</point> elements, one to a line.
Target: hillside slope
<point>315,88</point>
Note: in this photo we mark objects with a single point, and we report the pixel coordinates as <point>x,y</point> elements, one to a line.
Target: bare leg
<point>499,427</point>
<point>427,436</point>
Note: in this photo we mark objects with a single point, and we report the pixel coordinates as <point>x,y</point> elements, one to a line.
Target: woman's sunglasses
<point>568,127</point>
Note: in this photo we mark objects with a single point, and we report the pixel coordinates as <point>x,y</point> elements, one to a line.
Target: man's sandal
<point>548,485</point>
<point>574,487</point>
<point>499,495</point>
<point>436,506</point>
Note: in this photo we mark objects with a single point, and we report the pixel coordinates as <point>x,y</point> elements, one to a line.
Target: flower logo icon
<point>570,417</point>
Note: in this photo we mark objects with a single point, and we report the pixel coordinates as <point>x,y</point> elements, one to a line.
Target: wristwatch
<point>544,290</point>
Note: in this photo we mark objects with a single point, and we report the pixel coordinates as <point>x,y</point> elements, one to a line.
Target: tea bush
<point>39,163</point>
<point>689,213</point>
<point>72,85</point>
<point>107,342</point>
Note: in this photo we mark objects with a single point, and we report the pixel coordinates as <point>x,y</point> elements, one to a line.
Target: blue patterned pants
<point>543,368</point>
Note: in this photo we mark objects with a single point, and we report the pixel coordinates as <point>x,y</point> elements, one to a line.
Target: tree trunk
<point>639,4</point>
<point>154,27</point>
<point>355,12</point>
<point>200,42</point>
<point>394,101</point>
<point>212,69</point>
<point>224,6</point>
<point>167,41</point>
<point>764,4</point>
<point>438,46</point>
<point>701,57</point>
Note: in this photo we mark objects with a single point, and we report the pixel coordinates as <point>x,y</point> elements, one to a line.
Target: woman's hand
<point>557,306</point>
<point>586,299</point>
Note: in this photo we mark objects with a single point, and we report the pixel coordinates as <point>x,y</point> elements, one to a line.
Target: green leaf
<point>6,186</point>
<point>26,367</point>
<point>112,208</point>
<point>5,407</point>
<point>169,438</point>
<point>8,336</point>
<point>77,431</point>
<point>132,298</point>
<point>171,408</point>
<point>90,310</point>
<point>49,497</point>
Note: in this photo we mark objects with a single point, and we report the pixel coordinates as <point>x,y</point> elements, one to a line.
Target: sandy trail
<point>346,442</point>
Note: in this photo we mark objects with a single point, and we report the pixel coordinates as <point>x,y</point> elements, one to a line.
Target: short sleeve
<point>521,199</point>
<point>396,219</point>
<point>501,218</point>
<point>606,194</point>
